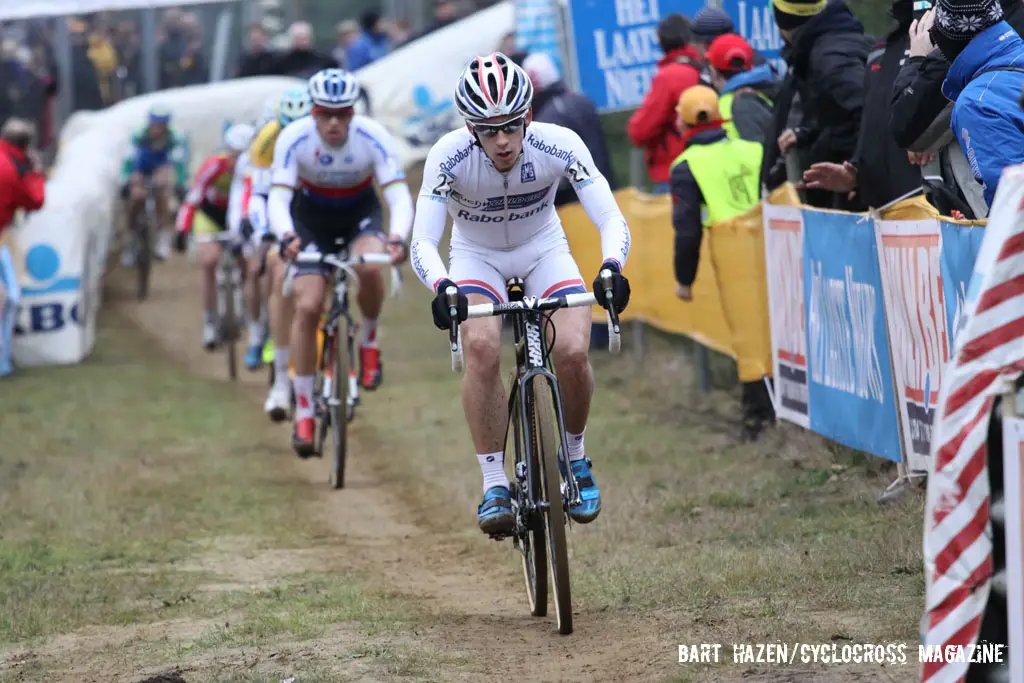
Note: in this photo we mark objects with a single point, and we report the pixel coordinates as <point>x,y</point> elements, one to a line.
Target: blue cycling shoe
<point>590,497</point>
<point>495,515</point>
<point>254,357</point>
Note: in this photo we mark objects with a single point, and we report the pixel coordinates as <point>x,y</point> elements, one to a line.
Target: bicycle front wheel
<point>143,256</point>
<point>338,408</point>
<point>533,540</point>
<point>546,441</point>
<point>229,323</point>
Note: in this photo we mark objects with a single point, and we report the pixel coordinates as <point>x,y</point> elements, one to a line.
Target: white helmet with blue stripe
<point>334,89</point>
<point>493,86</point>
<point>295,104</point>
<point>238,137</point>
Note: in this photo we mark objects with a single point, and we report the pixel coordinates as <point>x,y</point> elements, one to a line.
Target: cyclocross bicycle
<point>230,303</point>
<point>141,236</point>
<point>541,471</point>
<point>334,366</point>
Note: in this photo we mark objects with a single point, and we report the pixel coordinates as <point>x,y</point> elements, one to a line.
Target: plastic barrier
<point>60,252</point>
<point>848,312</point>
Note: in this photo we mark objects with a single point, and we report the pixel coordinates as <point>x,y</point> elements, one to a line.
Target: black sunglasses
<point>491,130</point>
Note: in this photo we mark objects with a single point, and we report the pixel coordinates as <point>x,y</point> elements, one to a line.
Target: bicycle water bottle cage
<point>516,288</point>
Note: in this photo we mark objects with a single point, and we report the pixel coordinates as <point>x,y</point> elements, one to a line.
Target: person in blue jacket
<point>984,82</point>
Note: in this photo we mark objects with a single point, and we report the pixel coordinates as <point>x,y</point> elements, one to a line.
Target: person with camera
<point>22,188</point>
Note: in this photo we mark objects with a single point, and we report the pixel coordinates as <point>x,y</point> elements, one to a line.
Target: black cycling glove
<point>619,288</point>
<point>439,306</point>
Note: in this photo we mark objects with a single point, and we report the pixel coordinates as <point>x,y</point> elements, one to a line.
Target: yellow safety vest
<point>727,174</point>
<point>725,109</point>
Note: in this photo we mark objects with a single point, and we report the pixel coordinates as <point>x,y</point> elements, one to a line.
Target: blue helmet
<point>295,104</point>
<point>159,114</point>
<point>334,89</point>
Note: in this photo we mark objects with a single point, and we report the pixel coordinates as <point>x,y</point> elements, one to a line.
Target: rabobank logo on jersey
<point>491,204</point>
<point>455,159</point>
<point>554,150</point>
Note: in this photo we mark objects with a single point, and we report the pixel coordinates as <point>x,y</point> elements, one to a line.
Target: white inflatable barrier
<point>60,251</point>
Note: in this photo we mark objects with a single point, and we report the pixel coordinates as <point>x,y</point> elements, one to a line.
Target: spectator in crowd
<point>399,31</point>
<point>827,51</point>
<point>348,34</point>
<point>128,44</point>
<point>889,174</point>
<point>103,57</point>
<point>747,93</point>
<point>985,79</point>
<point>21,92</point>
<point>371,45</point>
<point>554,103</point>
<point>708,24</point>
<point>85,87</point>
<point>22,188</point>
<point>181,58</point>
<point>712,180</point>
<point>302,59</point>
<point>652,126</point>
<point>258,60</point>
<point>41,44</point>
<point>445,13</point>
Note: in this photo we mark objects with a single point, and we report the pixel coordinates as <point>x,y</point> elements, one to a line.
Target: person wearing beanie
<point>920,110</point>
<point>826,50</point>
<point>986,75</point>
<point>713,180</point>
<point>746,93</point>
<point>708,24</point>
<point>652,126</point>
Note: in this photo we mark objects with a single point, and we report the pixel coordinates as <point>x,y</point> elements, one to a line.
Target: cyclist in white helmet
<point>293,105</point>
<point>327,163</point>
<point>213,206</point>
<point>497,178</point>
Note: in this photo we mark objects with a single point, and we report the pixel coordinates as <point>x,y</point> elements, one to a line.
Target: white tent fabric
<point>29,9</point>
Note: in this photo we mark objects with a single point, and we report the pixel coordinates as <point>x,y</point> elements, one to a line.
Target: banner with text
<point>926,266</point>
<point>615,43</point>
<point>850,387</point>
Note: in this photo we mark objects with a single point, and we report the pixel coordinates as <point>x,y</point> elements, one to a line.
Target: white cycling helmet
<point>295,104</point>
<point>238,137</point>
<point>334,89</point>
<point>492,86</point>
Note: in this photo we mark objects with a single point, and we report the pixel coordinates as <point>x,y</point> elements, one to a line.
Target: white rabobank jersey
<point>333,177</point>
<point>236,197</point>
<point>501,211</point>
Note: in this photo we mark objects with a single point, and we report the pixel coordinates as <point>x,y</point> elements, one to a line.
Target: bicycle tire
<point>338,409</point>
<point>143,256</point>
<point>229,325</point>
<point>547,441</point>
<point>535,554</point>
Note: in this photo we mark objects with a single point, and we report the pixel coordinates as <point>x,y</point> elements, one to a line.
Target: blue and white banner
<point>960,245</point>
<point>850,387</point>
<point>537,28</point>
<point>615,43</point>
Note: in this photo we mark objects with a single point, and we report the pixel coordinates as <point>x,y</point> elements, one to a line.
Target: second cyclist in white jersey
<point>327,163</point>
<point>497,179</point>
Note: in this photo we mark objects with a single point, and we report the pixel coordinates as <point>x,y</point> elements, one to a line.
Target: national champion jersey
<point>335,177</point>
<point>496,210</point>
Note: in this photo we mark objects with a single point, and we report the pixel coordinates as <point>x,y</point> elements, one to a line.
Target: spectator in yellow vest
<point>714,179</point>
<point>746,92</point>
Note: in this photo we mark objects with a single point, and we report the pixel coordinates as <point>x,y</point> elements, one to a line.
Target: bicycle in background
<point>230,303</point>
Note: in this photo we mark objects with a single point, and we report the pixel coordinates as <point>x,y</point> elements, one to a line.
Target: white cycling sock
<point>281,366</point>
<point>303,396</point>
<point>493,467</point>
<point>255,332</point>
<point>368,332</point>
<point>209,317</point>
<point>575,444</point>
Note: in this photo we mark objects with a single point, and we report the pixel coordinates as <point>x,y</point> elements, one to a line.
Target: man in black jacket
<point>879,172</point>
<point>827,50</point>
<point>554,103</point>
<point>258,60</point>
<point>918,104</point>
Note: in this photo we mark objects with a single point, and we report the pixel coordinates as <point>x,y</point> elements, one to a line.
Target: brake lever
<point>452,296</point>
<point>606,283</point>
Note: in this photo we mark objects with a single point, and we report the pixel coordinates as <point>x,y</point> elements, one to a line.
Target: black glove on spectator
<point>439,306</point>
<point>180,242</point>
<point>620,288</point>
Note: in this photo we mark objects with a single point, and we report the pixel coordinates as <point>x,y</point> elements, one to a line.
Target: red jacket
<point>652,127</point>
<point>20,186</point>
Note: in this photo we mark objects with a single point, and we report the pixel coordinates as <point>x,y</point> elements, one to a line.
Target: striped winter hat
<point>792,14</point>
<point>958,21</point>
